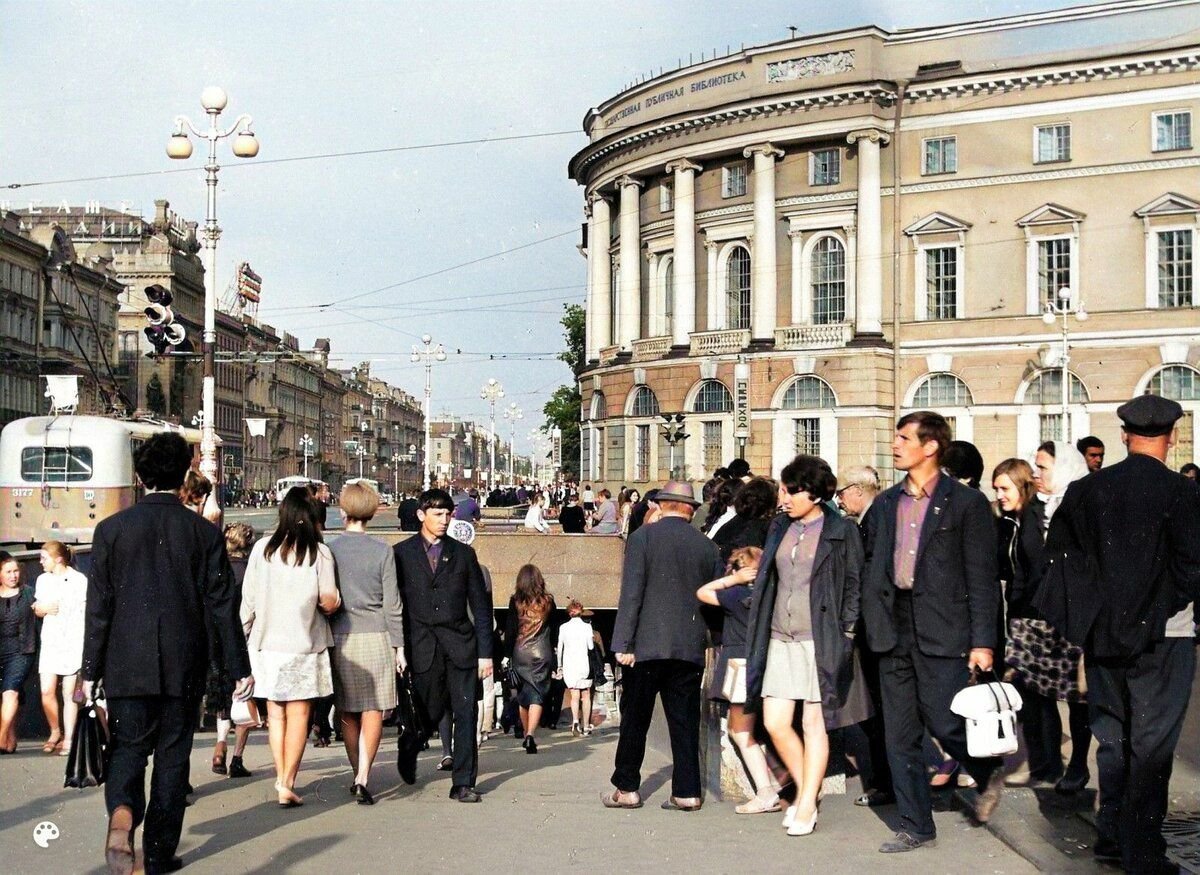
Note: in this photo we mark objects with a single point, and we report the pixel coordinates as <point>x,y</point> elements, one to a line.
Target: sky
<point>399,242</point>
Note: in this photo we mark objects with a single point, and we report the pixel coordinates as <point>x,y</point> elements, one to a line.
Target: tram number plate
<point>21,493</point>
<point>89,495</point>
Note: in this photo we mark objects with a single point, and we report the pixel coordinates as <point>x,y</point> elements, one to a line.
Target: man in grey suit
<point>659,638</point>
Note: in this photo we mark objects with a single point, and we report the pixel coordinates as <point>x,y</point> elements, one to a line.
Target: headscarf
<point>1069,466</point>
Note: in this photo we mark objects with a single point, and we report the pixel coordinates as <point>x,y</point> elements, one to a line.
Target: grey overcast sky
<point>91,89</point>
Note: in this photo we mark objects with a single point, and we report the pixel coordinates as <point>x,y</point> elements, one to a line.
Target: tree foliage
<point>563,408</point>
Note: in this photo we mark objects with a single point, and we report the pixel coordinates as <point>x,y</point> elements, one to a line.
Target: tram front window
<point>56,464</point>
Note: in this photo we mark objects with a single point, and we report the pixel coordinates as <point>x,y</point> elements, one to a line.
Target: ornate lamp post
<point>512,413</point>
<point>428,353</point>
<point>1063,307</point>
<point>492,392</point>
<point>673,434</point>
<point>179,147</point>
<point>306,444</point>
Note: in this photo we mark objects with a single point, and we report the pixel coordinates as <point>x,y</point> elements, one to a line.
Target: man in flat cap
<point>1124,566</point>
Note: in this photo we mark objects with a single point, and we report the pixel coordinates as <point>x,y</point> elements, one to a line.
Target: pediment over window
<point>1050,214</point>
<point>937,223</point>
<point>1169,204</point>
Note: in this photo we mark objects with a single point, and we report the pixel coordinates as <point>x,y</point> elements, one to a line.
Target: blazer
<point>157,570</point>
<point>956,597</point>
<point>1135,530</point>
<point>436,604</point>
<point>658,616</point>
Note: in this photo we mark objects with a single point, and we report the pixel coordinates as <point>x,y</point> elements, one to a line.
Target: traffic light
<point>163,331</point>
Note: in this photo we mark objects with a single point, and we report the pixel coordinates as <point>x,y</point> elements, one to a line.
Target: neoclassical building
<point>791,245</point>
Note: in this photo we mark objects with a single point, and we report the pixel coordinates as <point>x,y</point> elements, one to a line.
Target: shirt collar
<point>930,487</point>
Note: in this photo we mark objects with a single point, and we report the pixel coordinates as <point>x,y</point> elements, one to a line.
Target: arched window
<point>942,390</point>
<point>808,393</point>
<point>599,406</point>
<point>737,288</point>
<point>1046,388</point>
<point>828,265</point>
<point>645,402</point>
<point>1177,382</point>
<point>713,397</point>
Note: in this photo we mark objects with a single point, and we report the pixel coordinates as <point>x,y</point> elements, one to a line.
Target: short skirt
<point>291,677</point>
<point>13,671</point>
<point>791,671</point>
<point>364,672</point>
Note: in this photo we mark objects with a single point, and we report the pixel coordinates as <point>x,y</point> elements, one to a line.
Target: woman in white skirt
<point>290,584</point>
<point>60,600</point>
<point>575,640</point>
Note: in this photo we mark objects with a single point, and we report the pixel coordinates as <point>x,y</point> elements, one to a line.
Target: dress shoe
<point>989,797</point>
<point>875,799</point>
<point>1107,850</point>
<point>465,794</point>
<point>168,864</point>
<point>406,762</point>
<point>445,764</point>
<point>907,841</point>
<point>1072,782</point>
<point>803,827</point>
<point>237,769</point>
<point>530,745</point>
<point>362,795</point>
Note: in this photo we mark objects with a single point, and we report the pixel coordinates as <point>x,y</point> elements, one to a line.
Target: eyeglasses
<point>844,488</point>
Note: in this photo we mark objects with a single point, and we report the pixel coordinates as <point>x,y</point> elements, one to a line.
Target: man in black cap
<point>1126,542</point>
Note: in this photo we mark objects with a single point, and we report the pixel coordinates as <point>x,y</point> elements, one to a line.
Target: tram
<point>61,475</point>
<point>283,484</point>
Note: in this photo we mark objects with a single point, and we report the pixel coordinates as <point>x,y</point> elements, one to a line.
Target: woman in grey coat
<point>802,624</point>
<point>368,635</point>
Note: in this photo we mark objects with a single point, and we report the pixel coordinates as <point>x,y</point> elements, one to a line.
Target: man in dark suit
<point>659,638</point>
<point>406,512</point>
<point>159,571</point>
<point>929,601</point>
<point>449,648</point>
<point>1137,524</point>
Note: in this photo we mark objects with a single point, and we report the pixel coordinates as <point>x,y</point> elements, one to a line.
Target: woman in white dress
<point>290,584</point>
<point>575,640</point>
<point>535,520</point>
<point>60,599</point>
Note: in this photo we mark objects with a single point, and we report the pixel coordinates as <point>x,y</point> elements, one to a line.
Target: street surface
<point>540,813</point>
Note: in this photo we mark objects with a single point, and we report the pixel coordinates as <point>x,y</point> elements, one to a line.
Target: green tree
<point>563,409</point>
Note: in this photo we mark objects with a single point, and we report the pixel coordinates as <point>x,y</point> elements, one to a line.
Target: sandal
<point>674,804</point>
<point>613,800</point>
<point>51,746</point>
<point>760,805</point>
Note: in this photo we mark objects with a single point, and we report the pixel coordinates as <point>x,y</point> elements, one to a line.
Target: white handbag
<point>990,711</point>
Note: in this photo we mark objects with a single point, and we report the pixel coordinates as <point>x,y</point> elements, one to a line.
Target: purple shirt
<point>910,517</point>
<point>433,552</point>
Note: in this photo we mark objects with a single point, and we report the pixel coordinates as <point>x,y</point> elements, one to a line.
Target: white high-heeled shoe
<point>803,827</point>
<point>789,817</point>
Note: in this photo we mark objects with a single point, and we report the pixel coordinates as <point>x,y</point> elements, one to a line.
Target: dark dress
<point>572,520</point>
<point>530,636</point>
<point>17,638</point>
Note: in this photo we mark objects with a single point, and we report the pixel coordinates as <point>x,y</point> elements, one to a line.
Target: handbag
<point>596,667</point>
<point>412,732</point>
<point>87,766</point>
<point>990,711</point>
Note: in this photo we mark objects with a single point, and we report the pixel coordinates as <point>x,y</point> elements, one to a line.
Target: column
<point>868,317</point>
<point>764,291</point>
<point>629,327</point>
<point>590,347</point>
<point>710,247</point>
<point>800,302</point>
<point>600,277</point>
<point>685,251</point>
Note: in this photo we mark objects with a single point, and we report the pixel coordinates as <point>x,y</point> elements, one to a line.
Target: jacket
<point>834,603</point>
<point>157,570</point>
<point>1021,545</point>
<point>956,596</point>
<point>280,601</point>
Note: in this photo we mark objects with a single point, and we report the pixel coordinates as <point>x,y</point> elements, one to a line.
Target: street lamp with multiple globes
<point>1065,306</point>
<point>673,433</point>
<point>306,444</point>
<point>513,413</point>
<point>428,354</point>
<point>179,147</point>
<point>492,392</point>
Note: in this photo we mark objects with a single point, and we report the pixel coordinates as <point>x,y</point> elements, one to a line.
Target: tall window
<point>1175,268</point>
<point>737,286</point>
<point>941,282</point>
<point>1054,267</point>
<point>614,285</point>
<point>733,180</point>
<point>808,436</point>
<point>666,197</point>
<point>1052,143</point>
<point>942,390</point>
<point>669,297</point>
<point>826,167</point>
<point>641,458</point>
<point>808,393</point>
<point>711,446</point>
<point>829,281</point>
<point>1172,130</point>
<point>645,402</point>
<point>599,406</point>
<point>940,155</point>
<point>1177,382</point>
<point>713,397</point>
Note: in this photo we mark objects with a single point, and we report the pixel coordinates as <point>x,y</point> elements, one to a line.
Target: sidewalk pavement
<point>539,812</point>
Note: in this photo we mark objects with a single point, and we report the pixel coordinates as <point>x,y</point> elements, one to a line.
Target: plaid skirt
<point>364,672</point>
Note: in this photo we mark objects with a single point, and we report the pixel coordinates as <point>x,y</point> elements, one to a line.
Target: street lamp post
<point>673,433</point>
<point>306,444</point>
<point>492,392</point>
<point>428,354</point>
<point>213,99</point>
<point>1063,307</point>
<point>513,413</point>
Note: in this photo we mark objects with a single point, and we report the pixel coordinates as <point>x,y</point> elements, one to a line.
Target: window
<point>713,397</point>
<point>1177,382</point>
<point>645,402</point>
<point>641,446</point>
<point>1051,143</point>
<point>56,464</point>
<point>1175,268</point>
<point>1050,427</point>
<point>669,297</point>
<point>711,446</point>
<point>737,288</point>
<point>1054,268</point>
<point>666,197</point>
<point>808,393</point>
<point>941,282</point>
<point>1172,130</point>
<point>825,167</point>
<point>829,281</point>
<point>733,180</point>
<point>808,436</point>
<point>1046,388</point>
<point>942,390</point>
<point>940,155</point>
<point>599,406</point>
